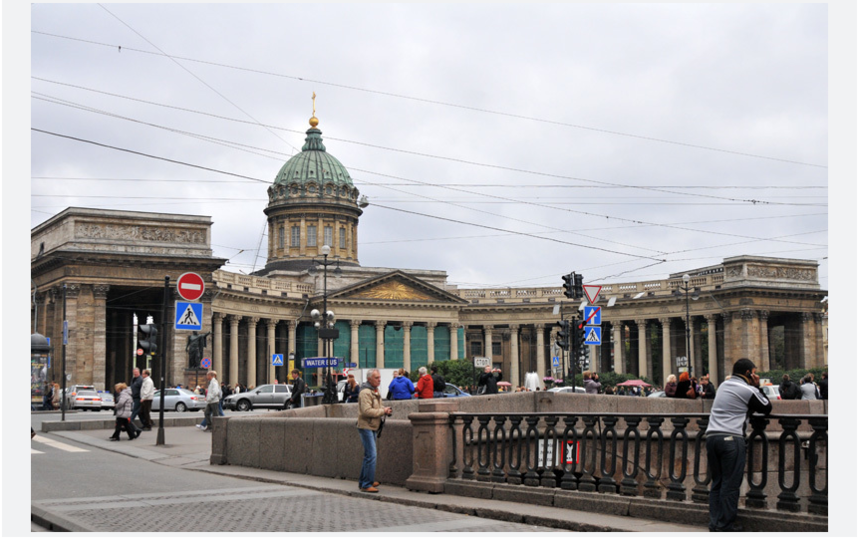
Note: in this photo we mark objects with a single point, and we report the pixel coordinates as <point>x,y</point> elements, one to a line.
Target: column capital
<point>431,324</point>
<point>641,322</point>
<point>406,325</point>
<point>217,317</point>
<point>72,290</point>
<point>234,319</point>
<point>748,314</point>
<point>253,320</point>
<point>100,291</point>
<point>806,316</point>
<point>817,317</point>
<point>727,315</point>
<point>271,322</point>
<point>711,318</point>
<point>514,327</point>
<point>380,324</point>
<point>764,315</point>
<point>354,323</point>
<point>664,320</point>
<point>488,327</point>
<point>293,324</point>
<point>540,326</point>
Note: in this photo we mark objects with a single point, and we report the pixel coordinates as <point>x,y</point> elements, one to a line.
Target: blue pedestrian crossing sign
<point>277,360</point>
<point>189,315</point>
<point>593,315</point>
<point>555,361</point>
<point>593,335</point>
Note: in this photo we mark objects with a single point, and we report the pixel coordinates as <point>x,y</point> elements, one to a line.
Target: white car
<point>567,390</point>
<point>771,392</point>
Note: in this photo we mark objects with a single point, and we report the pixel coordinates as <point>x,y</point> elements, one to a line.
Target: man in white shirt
<point>212,399</point>
<point>147,394</point>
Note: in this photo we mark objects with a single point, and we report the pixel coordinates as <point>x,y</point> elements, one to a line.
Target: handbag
<point>381,427</point>
<point>481,389</point>
<point>691,394</point>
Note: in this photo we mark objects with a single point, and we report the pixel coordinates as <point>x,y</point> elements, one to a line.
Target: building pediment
<point>396,286</point>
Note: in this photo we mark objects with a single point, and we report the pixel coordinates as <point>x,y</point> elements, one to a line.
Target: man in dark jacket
<point>438,382</point>
<point>136,385</point>
<point>487,379</point>
<point>823,386</point>
<point>707,389</point>
<point>737,398</point>
<point>298,388</point>
<point>788,389</point>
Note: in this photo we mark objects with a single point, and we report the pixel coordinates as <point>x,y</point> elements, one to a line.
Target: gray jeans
<point>211,410</point>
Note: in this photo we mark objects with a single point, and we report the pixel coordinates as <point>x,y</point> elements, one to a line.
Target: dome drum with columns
<point>312,203</point>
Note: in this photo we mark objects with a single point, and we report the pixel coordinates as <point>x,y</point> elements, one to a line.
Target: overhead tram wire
<point>447,104</point>
<point>410,152</point>
<point>267,182</point>
<point>194,75</point>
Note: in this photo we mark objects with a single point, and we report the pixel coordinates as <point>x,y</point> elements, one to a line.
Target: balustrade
<point>580,451</point>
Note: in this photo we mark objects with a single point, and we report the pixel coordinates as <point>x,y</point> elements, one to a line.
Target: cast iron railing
<point>580,452</point>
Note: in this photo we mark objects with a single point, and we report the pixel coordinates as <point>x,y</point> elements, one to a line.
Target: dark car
<point>269,396</point>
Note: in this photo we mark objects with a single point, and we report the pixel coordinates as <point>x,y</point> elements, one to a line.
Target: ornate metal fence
<point>647,455</point>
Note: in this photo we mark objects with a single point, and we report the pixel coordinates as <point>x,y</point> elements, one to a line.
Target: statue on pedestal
<point>196,345</point>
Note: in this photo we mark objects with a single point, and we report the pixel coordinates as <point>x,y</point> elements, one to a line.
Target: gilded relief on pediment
<point>392,290</point>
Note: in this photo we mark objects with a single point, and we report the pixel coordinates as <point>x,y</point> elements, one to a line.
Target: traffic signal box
<point>147,338</point>
<point>563,335</point>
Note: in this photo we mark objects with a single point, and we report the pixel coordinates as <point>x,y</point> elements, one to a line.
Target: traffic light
<point>583,352</point>
<point>563,335</point>
<point>148,338</point>
<point>569,285</point>
<point>578,288</point>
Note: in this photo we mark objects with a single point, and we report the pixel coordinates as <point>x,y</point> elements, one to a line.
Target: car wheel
<point>243,405</point>
<point>181,407</point>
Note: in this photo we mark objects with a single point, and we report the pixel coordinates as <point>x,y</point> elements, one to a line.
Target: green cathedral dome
<point>314,165</point>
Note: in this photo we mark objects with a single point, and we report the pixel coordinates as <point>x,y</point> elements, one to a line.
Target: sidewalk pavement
<point>189,448</point>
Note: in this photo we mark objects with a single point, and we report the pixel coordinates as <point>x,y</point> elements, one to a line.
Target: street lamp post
<point>695,295</point>
<point>325,322</point>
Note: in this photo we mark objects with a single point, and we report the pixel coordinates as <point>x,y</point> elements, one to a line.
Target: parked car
<point>451,390</point>
<point>179,400</point>
<point>270,396</point>
<point>86,399</point>
<point>107,401</point>
<point>658,393</point>
<point>567,390</point>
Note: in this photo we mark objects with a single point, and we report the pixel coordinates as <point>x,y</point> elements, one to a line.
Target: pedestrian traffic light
<point>569,285</point>
<point>583,354</point>
<point>578,288</point>
<point>563,335</point>
<point>148,338</point>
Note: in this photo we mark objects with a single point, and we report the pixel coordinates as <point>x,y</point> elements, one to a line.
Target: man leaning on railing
<point>737,398</point>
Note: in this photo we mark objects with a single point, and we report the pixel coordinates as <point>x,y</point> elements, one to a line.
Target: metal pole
<point>63,401</point>
<point>163,345</point>
<point>688,331</point>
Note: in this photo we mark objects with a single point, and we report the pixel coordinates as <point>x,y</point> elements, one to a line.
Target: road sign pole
<point>65,338</point>
<point>163,368</point>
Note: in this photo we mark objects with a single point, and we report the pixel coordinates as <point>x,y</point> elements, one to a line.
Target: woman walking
<point>122,412</point>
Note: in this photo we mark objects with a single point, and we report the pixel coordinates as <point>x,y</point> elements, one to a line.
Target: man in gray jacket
<point>212,399</point>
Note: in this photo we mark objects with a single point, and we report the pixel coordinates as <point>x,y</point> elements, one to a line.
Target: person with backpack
<point>439,384</point>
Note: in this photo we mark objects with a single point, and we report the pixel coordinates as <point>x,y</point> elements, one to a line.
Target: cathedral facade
<point>105,266</point>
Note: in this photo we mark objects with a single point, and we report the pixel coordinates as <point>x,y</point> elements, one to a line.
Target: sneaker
<point>369,490</point>
<point>200,426</point>
<point>376,484</point>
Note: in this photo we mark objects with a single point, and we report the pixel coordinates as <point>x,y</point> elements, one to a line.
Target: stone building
<point>111,264</point>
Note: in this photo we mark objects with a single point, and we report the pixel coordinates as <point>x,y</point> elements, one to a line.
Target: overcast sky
<point>506,146</point>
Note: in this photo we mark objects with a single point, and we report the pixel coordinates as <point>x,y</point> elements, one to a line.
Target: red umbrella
<point>636,382</point>
<point>504,383</point>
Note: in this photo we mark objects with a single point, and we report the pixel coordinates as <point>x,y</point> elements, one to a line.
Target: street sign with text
<point>320,362</point>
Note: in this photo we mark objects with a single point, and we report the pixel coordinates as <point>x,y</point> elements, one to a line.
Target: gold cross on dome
<point>314,104</point>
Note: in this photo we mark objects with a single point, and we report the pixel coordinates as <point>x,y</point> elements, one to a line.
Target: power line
<point>390,149</point>
<point>448,104</point>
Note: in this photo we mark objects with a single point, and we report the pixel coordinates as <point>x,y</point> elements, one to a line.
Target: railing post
<point>515,441</point>
<point>587,482</point>
<point>787,499</point>
<point>531,478</point>
<point>700,491</point>
<point>430,446</point>
<point>549,441</point>
<point>818,501</point>
<point>756,497</point>
<point>607,484</point>
<point>629,483</point>
<point>652,488</point>
<point>483,442</point>
<point>468,448</point>
<point>499,448</point>
<point>456,426</point>
<point>569,481</point>
<point>676,489</point>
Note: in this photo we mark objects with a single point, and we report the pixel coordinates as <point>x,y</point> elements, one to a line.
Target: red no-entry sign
<point>190,286</point>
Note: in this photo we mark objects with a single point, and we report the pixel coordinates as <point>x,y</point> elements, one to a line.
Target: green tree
<point>458,372</point>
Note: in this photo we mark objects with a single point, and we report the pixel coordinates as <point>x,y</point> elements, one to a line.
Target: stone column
<point>764,341</point>
<point>233,348</point>
<point>819,357</point>
<point>251,350</point>
<point>617,328</point>
<point>293,329</point>
<point>379,343</point>
<point>406,346</point>
<point>355,341</point>
<point>487,331</point>
<point>454,341</point>
<point>540,352</point>
<point>667,361</point>
<point>712,336</point>
<point>642,348</point>
<point>729,359</point>
<point>432,445</point>
<point>217,357</point>
<point>272,326</point>
<point>430,340</point>
<point>99,334</point>
<point>514,361</point>
<point>807,341</point>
